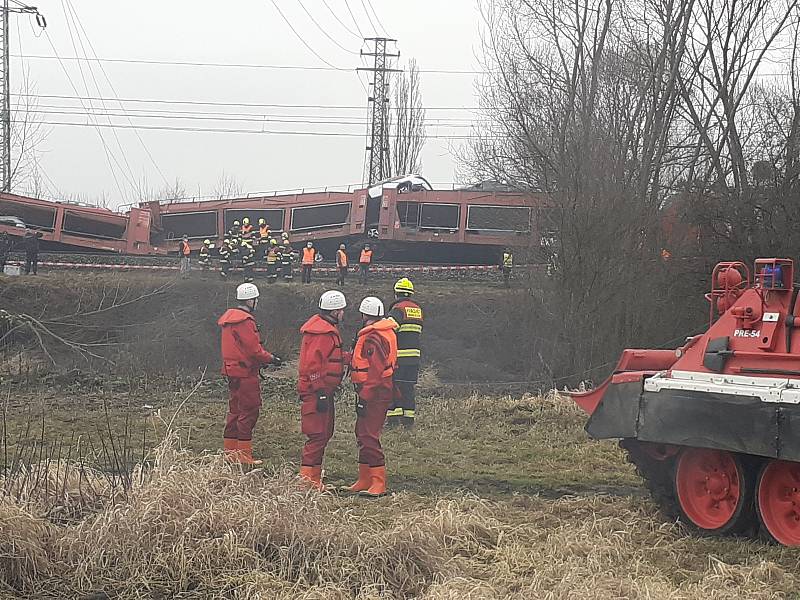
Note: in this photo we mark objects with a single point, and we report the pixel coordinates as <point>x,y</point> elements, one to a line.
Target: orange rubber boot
<point>378,485</point>
<point>313,476</point>
<point>364,479</point>
<point>230,449</point>
<point>246,453</point>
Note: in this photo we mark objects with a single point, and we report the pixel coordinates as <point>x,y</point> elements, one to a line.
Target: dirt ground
<point>494,495</point>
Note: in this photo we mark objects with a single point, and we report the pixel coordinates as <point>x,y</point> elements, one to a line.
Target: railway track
<point>122,262</point>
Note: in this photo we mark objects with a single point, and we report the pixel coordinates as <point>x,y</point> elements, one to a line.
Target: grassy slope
<point>560,516</point>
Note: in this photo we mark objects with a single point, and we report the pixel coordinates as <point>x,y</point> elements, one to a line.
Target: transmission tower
<point>5,86</point>
<point>378,147</point>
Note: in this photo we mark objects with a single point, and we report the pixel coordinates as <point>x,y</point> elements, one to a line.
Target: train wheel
<point>779,501</point>
<point>714,490</point>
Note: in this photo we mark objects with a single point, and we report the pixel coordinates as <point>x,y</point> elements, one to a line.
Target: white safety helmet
<point>332,300</point>
<point>371,306</point>
<point>246,291</point>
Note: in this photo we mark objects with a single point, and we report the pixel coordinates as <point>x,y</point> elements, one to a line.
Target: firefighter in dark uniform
<point>204,260</point>
<point>408,316</point>
<point>248,259</point>
<point>225,257</point>
<point>272,259</point>
<point>286,262</point>
<point>234,232</point>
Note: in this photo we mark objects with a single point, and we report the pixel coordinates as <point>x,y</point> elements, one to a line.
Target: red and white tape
<point>376,269</point>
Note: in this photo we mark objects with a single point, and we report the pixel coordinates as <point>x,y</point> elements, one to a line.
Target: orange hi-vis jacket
<point>308,256</point>
<point>263,232</point>
<point>374,360</point>
<point>366,257</point>
<point>185,249</point>
<point>341,258</point>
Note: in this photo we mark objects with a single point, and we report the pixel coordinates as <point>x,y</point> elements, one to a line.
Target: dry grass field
<point>112,485</point>
<point>493,497</point>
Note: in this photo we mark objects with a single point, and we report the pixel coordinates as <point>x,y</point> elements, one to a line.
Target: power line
<point>235,65</point>
<point>323,30</point>
<point>366,12</point>
<point>249,131</point>
<point>294,119</point>
<point>353,17</point>
<point>99,133</point>
<point>237,104</point>
<point>335,16</point>
<point>116,95</point>
<point>377,18</point>
<point>299,37</point>
<point>72,18</point>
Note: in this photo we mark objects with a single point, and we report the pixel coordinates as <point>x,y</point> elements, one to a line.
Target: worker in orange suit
<point>184,251</point>
<point>364,263</point>
<point>372,368</point>
<point>309,254</point>
<point>242,358</point>
<point>320,372</point>
<point>341,264</point>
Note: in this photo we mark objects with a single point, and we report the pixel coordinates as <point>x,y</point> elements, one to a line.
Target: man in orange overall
<point>320,371</point>
<point>371,369</point>
<point>242,358</point>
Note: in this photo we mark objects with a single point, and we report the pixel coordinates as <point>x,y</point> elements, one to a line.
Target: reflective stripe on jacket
<point>409,318</point>
<point>374,360</point>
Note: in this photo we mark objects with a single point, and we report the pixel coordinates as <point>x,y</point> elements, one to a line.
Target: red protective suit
<point>372,366</point>
<point>242,357</point>
<point>320,372</point>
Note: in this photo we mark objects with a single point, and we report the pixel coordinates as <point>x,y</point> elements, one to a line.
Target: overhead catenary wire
<point>249,118</point>
<point>99,132</point>
<point>71,23</point>
<point>249,131</point>
<point>116,95</point>
<point>238,104</point>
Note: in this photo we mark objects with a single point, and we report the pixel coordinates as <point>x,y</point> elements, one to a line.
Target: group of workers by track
<point>382,364</point>
<point>245,246</point>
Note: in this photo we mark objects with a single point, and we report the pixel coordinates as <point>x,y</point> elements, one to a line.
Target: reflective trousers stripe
<point>408,353</point>
<point>395,412</point>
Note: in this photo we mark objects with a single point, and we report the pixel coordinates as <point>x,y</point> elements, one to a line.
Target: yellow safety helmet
<point>262,221</point>
<point>206,242</point>
<point>404,286</point>
<point>236,223</point>
<point>246,221</point>
<point>273,242</point>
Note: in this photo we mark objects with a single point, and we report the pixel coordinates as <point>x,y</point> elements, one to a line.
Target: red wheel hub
<point>708,487</point>
<point>779,501</point>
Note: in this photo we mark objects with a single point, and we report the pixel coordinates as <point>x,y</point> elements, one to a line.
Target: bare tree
<point>407,125</point>
<point>227,187</point>
<point>27,135</point>
<point>622,114</point>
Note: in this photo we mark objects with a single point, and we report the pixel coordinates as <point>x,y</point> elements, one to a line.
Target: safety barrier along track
<point>375,269</point>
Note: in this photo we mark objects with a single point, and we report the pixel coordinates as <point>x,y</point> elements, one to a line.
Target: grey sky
<point>440,34</point>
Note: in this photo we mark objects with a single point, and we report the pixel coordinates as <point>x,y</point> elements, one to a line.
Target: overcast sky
<point>436,33</point>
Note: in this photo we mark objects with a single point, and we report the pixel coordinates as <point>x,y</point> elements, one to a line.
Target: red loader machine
<point>714,426</point>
